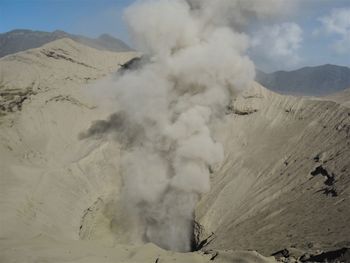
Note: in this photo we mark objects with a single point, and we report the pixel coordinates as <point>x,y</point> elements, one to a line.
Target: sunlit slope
<point>49,176</point>
<point>62,63</point>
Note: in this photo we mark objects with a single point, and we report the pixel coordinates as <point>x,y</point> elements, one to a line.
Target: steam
<point>168,108</point>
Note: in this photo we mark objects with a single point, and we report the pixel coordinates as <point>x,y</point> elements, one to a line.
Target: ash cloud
<point>198,60</point>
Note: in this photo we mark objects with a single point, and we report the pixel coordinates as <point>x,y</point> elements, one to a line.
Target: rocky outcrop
<point>11,100</point>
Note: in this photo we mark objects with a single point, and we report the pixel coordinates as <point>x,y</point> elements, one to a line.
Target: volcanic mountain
<point>282,189</point>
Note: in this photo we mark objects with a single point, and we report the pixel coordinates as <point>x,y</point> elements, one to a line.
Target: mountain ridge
<point>63,62</point>
<point>312,80</point>
<point>23,39</point>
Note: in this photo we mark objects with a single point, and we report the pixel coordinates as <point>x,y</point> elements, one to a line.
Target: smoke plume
<point>197,52</point>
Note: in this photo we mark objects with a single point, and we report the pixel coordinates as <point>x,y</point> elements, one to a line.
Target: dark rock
<point>284,253</point>
<point>330,189</point>
<point>339,255</point>
<point>197,242</point>
<point>134,64</point>
<point>232,110</point>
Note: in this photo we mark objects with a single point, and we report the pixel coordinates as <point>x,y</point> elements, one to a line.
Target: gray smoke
<point>198,60</point>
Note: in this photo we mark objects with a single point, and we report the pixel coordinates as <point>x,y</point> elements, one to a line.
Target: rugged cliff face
<point>284,182</point>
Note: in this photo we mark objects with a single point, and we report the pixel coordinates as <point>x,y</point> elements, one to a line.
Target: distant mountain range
<point>22,39</point>
<point>314,81</point>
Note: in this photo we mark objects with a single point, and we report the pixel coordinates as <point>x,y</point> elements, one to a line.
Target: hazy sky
<point>318,32</point>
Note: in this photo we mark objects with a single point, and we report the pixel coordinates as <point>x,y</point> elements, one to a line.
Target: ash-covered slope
<point>58,64</point>
<point>285,181</point>
<point>43,107</point>
<point>23,39</point>
<point>313,81</point>
<point>58,193</point>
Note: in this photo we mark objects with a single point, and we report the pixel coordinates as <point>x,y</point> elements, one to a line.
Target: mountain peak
<point>58,32</point>
<point>106,36</point>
